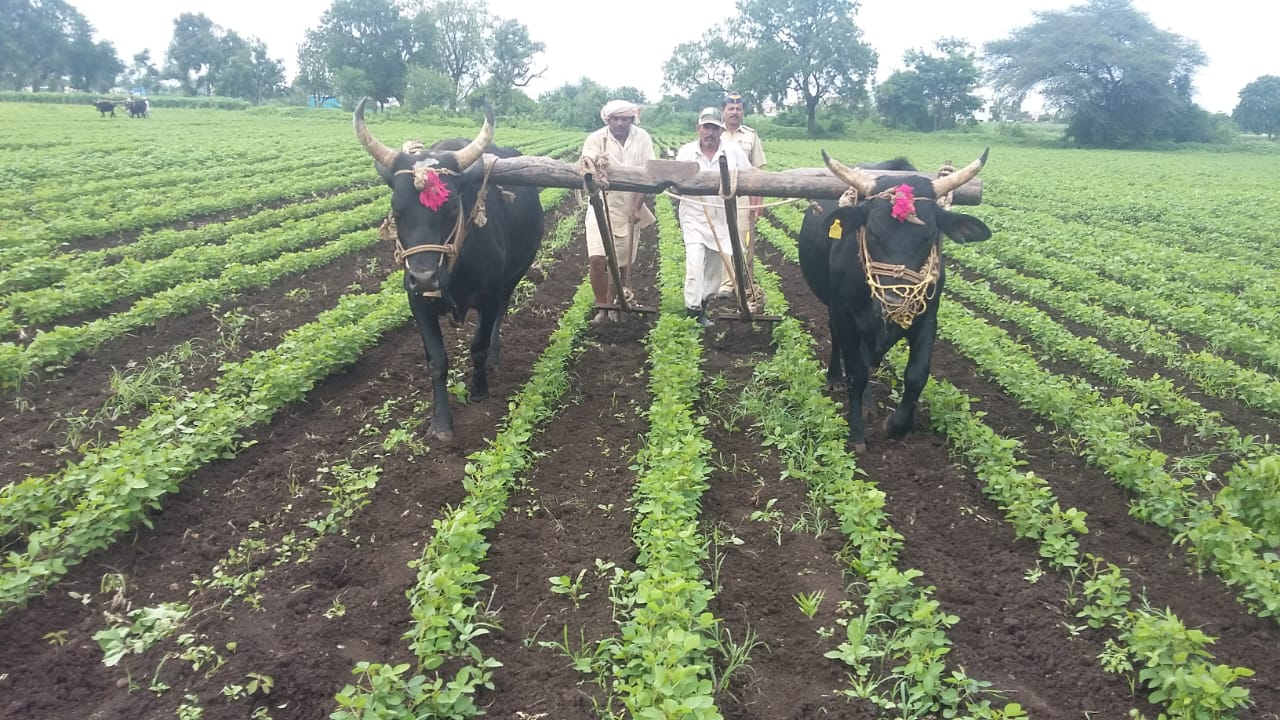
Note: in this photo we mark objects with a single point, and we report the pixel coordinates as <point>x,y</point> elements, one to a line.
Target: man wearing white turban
<point>626,144</point>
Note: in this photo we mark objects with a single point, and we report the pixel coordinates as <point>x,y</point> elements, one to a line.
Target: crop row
<point>132,278</point>
<point>897,648</point>
<point>1154,649</point>
<point>42,271</point>
<point>113,487</point>
<point>1175,664</point>
<point>1156,394</point>
<point>16,243</point>
<point>53,348</point>
<point>1215,375</point>
<point>1110,436</point>
<point>1167,286</point>
<point>350,481</point>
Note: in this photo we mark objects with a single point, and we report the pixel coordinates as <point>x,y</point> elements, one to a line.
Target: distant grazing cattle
<point>104,107</point>
<point>463,241</point>
<point>138,107</point>
<point>877,265</point>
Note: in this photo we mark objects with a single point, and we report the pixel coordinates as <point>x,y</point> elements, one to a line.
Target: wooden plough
<point>685,178</point>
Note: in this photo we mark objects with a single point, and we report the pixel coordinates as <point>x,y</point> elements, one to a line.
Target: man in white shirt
<point>626,144</point>
<point>702,219</point>
<point>749,208</point>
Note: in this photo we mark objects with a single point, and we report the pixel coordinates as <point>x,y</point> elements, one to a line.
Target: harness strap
<point>454,242</point>
<point>918,288</point>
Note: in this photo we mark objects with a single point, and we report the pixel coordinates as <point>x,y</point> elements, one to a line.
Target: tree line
<point>1102,67</point>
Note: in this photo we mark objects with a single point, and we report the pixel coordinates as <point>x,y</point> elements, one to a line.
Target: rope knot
<point>598,167</point>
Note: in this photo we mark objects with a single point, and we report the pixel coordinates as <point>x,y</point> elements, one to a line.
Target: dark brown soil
<point>314,618</point>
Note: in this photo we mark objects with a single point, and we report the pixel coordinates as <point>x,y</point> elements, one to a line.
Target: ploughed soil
<point>313,612</point>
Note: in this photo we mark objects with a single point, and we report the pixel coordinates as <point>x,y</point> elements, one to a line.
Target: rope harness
<point>452,246</point>
<point>917,288</point>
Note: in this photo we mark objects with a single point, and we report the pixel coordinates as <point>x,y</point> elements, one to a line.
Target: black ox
<point>463,241</point>
<point>138,108</point>
<point>104,107</point>
<point>877,265</point>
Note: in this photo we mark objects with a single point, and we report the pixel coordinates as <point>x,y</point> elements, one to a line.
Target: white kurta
<point>635,151</point>
<point>702,217</point>
<point>706,232</point>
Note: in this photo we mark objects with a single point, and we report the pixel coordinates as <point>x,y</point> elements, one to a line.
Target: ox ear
<point>843,221</point>
<point>963,228</point>
<point>384,172</point>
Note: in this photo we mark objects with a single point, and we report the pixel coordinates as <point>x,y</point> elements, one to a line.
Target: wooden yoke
<point>686,179</point>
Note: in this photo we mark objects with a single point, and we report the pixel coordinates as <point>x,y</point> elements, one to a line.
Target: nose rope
<point>452,246</point>
<point>916,292</point>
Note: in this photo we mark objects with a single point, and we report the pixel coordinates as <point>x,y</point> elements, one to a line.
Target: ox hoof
<point>860,446</point>
<point>893,431</point>
<point>445,436</point>
<point>473,394</point>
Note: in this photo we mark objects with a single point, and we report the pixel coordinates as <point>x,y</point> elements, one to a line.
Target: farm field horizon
<point>217,498</point>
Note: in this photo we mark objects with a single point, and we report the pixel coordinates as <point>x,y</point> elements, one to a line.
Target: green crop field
<point>218,500</point>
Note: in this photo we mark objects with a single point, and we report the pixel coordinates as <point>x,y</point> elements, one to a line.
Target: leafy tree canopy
<point>205,58</point>
<point>935,92</point>
<point>782,50</point>
<point>810,49</point>
<point>1116,77</point>
<point>405,49</point>
<point>1259,107</point>
<point>365,35</point>
<point>49,44</point>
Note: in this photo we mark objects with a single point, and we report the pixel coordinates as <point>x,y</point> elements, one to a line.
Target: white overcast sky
<point>584,38</point>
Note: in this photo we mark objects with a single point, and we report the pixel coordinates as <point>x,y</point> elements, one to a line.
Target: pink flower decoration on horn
<point>434,191</point>
<point>904,203</point>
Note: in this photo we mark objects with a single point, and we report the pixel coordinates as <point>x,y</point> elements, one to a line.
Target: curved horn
<point>861,180</point>
<point>944,185</point>
<point>467,156</point>
<point>371,144</point>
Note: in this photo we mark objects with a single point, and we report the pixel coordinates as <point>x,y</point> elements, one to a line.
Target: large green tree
<point>366,35</point>
<point>315,75</point>
<point>511,65</point>
<point>575,105</point>
<point>807,48</point>
<point>142,72</point>
<point>404,48</point>
<point>205,58</point>
<point>901,102</point>
<point>48,43</point>
<point>247,72</point>
<point>1116,77</point>
<point>1259,107</point>
<point>461,44</point>
<point>715,61</point>
<point>935,92</point>
<point>193,52</point>
<point>87,64</point>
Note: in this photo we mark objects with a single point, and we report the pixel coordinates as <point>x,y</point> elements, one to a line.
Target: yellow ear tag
<point>836,231</point>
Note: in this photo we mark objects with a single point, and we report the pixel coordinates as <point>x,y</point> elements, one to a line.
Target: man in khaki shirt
<point>625,144</point>
<point>747,139</point>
